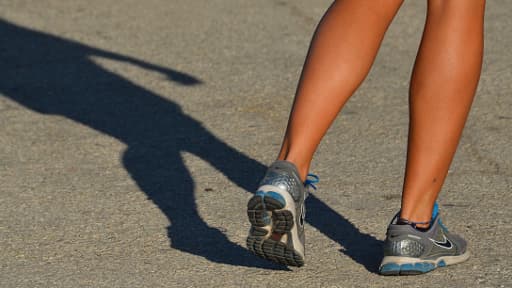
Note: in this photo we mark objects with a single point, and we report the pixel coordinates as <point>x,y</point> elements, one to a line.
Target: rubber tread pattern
<point>260,209</point>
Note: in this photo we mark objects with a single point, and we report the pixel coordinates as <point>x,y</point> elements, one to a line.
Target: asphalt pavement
<point>132,134</point>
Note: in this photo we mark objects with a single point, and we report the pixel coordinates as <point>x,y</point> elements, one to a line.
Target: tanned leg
<point>443,84</point>
<point>341,54</point>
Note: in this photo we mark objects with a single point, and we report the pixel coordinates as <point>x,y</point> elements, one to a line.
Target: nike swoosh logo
<point>447,244</point>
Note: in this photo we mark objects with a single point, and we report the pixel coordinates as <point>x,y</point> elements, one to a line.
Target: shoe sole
<point>397,266</point>
<point>272,215</point>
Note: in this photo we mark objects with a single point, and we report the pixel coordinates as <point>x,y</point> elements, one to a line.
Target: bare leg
<point>443,84</point>
<point>341,54</point>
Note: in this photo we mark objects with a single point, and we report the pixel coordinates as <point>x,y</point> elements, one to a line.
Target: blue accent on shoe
<point>276,196</point>
<point>260,193</point>
<point>311,180</point>
<point>420,267</point>
<point>441,263</point>
<point>389,267</point>
<point>409,267</point>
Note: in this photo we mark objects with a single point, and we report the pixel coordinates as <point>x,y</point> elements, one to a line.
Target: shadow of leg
<point>362,248</point>
<point>164,178</point>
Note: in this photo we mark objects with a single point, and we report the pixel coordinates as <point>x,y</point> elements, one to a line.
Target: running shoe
<point>408,251</point>
<point>277,214</point>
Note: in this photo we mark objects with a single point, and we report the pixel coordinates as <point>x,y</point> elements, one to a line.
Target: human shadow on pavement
<point>362,248</point>
<point>52,75</point>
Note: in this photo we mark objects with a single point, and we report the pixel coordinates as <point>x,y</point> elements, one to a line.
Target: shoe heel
<point>271,220</point>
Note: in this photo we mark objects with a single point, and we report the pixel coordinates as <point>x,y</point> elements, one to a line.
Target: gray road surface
<point>133,132</point>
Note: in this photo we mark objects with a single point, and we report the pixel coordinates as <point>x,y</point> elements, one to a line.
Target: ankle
<point>417,222</point>
<point>421,226</point>
<point>418,218</point>
<point>302,168</point>
<point>299,155</point>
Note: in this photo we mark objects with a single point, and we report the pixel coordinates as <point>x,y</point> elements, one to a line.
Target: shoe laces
<point>311,180</point>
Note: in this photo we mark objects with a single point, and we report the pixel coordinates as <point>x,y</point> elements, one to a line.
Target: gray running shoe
<point>277,213</point>
<point>408,251</point>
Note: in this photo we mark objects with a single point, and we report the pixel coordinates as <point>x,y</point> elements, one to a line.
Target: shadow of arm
<point>173,75</point>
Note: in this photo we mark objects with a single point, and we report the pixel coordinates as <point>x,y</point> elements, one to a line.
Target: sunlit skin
<point>442,87</point>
